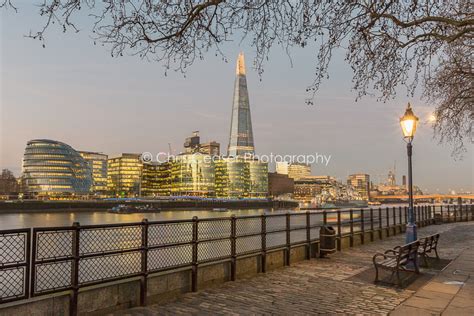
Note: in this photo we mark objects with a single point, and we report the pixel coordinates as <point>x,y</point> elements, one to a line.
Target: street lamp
<point>408,123</point>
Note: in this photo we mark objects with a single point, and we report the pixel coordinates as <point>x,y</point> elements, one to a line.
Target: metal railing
<point>39,261</point>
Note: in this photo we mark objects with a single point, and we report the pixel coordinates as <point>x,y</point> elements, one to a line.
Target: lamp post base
<point>410,233</point>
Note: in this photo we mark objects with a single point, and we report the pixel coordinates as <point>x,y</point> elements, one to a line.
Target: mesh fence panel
<point>171,256</point>
<point>109,266</point>
<point>53,244</point>
<point>106,239</point>
<point>170,233</point>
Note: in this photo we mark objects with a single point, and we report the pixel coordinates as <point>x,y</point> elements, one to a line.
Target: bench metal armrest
<point>378,254</point>
<point>393,252</point>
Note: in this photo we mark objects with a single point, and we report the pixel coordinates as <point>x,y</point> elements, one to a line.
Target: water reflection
<point>51,218</point>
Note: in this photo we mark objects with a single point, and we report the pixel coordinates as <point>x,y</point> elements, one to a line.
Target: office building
<point>232,178</point>
<point>98,164</point>
<point>309,188</point>
<point>193,145</point>
<point>124,175</point>
<point>241,134</point>
<point>192,175</point>
<point>52,169</point>
<point>293,170</point>
<point>156,179</point>
<point>280,184</point>
<point>258,179</point>
<point>361,184</point>
<point>211,148</point>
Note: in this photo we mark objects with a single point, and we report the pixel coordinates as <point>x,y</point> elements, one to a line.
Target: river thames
<point>55,218</point>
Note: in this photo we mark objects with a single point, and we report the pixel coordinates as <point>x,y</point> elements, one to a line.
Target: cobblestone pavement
<point>320,286</point>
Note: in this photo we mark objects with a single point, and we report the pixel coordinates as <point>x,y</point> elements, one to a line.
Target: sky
<point>74,91</point>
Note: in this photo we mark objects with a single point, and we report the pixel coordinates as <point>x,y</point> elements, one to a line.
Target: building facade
<point>211,148</point>
<point>156,179</point>
<point>258,179</point>
<point>361,183</point>
<point>98,164</point>
<point>192,175</point>
<point>293,170</point>
<point>280,184</point>
<point>309,188</point>
<point>232,178</point>
<point>124,175</point>
<point>52,169</point>
<point>241,134</point>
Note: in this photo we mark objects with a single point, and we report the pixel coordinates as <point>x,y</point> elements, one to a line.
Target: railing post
<point>194,273</point>
<point>144,260</point>
<point>308,236</point>
<point>449,214</point>
<point>339,231</point>
<point>394,210</point>
<point>351,218</point>
<point>400,218</point>
<point>423,217</point>
<point>233,247</point>
<point>33,264</point>
<point>371,224</point>
<point>75,269</point>
<point>427,214</point>
<point>362,226</point>
<point>387,215</point>
<point>460,212</point>
<point>405,209</point>
<point>441,212</point>
<point>325,218</point>
<point>380,224</point>
<point>288,241</point>
<point>29,262</point>
<point>264,243</point>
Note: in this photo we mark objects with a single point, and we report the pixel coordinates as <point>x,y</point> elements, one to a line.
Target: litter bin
<point>327,240</point>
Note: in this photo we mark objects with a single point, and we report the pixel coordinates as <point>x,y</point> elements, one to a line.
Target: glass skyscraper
<point>54,169</point>
<point>241,134</point>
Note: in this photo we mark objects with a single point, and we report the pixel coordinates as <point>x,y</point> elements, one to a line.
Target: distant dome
<point>54,168</point>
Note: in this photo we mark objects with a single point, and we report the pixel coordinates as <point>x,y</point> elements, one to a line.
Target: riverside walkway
<point>343,284</point>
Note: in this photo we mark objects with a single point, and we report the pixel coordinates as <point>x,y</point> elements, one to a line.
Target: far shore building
<point>360,182</point>
<point>124,175</point>
<point>293,170</point>
<point>192,174</point>
<point>309,188</point>
<point>280,184</point>
<point>98,164</point>
<point>54,170</point>
<point>193,145</point>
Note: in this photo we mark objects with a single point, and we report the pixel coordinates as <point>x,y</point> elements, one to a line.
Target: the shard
<point>241,135</point>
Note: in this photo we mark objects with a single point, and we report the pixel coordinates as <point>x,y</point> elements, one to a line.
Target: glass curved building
<point>52,168</point>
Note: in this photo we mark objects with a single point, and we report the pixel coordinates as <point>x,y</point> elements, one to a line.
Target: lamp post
<point>408,123</point>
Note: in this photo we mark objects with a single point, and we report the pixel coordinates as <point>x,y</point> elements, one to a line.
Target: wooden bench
<point>397,259</point>
<point>427,245</point>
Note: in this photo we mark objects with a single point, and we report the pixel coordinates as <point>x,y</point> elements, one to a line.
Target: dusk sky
<point>75,92</point>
